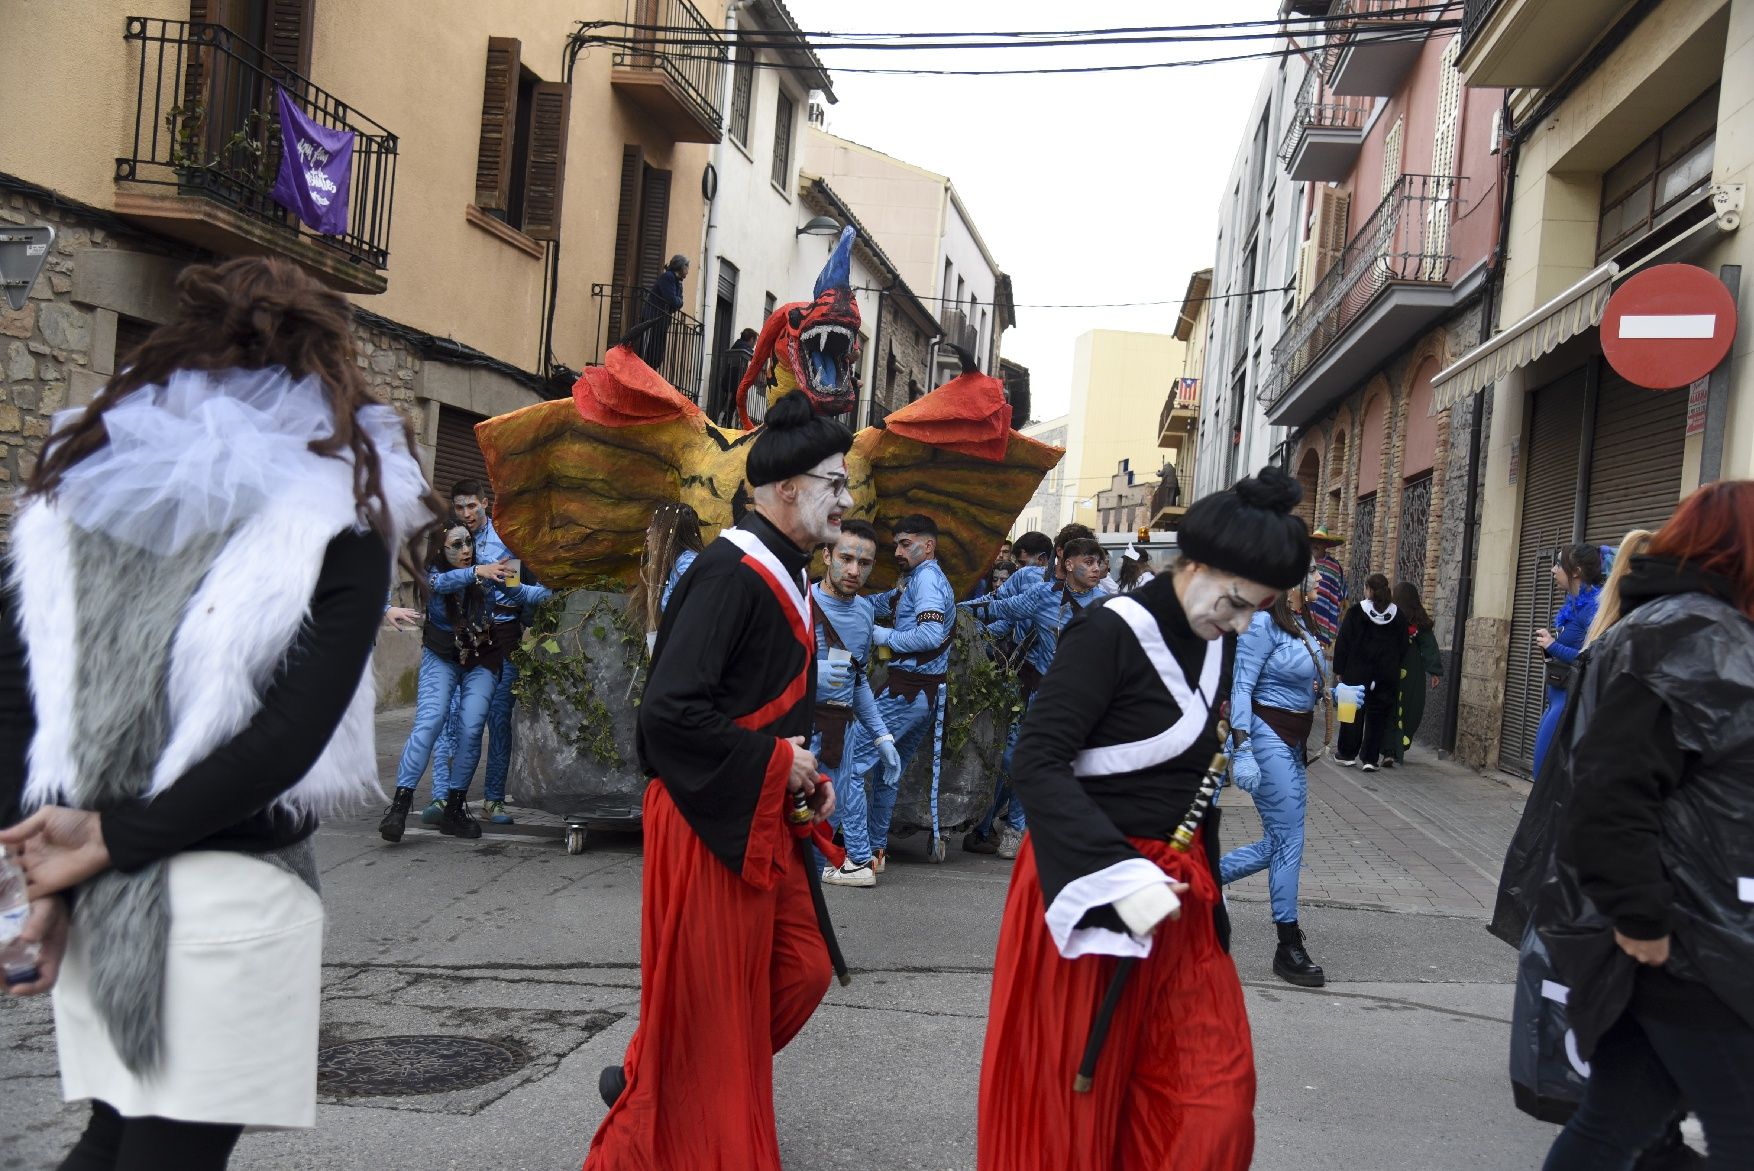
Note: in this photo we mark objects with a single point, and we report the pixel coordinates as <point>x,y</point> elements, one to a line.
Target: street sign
<point>1668,326</point>
<point>22,253</point>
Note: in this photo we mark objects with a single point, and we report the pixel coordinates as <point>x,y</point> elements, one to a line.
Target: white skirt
<point>243,994</point>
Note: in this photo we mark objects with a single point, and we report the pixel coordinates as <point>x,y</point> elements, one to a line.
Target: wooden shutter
<point>499,116</point>
<point>626,236</point>
<point>545,168</point>
<point>286,36</point>
<point>196,70</point>
<point>654,224</point>
<point>1333,208</point>
<point>1391,157</point>
<point>457,456</point>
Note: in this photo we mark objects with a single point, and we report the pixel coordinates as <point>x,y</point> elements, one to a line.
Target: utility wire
<point>638,46</point>
<point>1096,304</point>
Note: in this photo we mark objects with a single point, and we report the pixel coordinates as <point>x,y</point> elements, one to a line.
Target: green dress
<point>1420,660</point>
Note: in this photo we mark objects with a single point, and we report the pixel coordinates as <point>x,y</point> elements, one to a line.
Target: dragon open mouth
<point>828,354</point>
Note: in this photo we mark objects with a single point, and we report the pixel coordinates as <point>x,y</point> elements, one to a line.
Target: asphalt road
<point>1398,1063</point>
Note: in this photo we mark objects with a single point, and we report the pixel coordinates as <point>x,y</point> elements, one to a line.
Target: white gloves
<point>891,759</point>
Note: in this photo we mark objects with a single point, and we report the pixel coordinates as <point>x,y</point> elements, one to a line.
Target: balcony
<point>675,70</point>
<point>1181,408</point>
<point>1373,43</point>
<point>672,345</point>
<point>1171,497</point>
<point>1324,135</point>
<point>1388,283</point>
<point>1512,43</point>
<point>206,152</point>
<point>959,331</point>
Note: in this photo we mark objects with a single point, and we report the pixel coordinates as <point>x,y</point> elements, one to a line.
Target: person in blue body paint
<point>463,652</point>
<point>1276,681</point>
<point>918,644</point>
<point>511,606</point>
<point>1036,555</point>
<point>1037,615</point>
<point>844,700</point>
<point>1579,573</point>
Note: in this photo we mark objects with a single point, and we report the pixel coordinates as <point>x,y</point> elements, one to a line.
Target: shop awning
<point>1536,335</point>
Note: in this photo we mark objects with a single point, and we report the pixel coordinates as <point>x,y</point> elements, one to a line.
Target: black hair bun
<point>789,411</point>
<point>1271,489</point>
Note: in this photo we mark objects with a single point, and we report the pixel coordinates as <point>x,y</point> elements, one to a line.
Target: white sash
<point>754,547</point>
<point>1195,707</point>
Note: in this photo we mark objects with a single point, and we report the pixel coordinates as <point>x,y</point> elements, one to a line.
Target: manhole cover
<point>413,1065</point>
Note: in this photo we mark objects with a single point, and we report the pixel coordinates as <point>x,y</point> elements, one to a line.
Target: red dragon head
<point>812,346</point>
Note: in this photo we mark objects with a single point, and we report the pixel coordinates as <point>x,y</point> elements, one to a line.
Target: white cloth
<point>243,994</point>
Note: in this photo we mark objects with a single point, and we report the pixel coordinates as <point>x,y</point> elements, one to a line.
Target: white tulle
<point>196,455</point>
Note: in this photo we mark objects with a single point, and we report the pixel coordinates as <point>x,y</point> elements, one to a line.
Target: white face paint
<point>1219,603</point>
<point>823,499</point>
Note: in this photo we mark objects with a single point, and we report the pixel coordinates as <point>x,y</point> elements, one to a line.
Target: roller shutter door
<point>1549,469</point>
<point>458,456</point>
<point>1635,459</point>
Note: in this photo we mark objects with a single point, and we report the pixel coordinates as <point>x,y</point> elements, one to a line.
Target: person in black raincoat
<point>1650,916</point>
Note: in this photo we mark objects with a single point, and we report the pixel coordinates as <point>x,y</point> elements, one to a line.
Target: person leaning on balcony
<point>662,300</point>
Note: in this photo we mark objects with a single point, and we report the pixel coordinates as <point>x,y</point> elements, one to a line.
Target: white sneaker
<point>1010,842</point>
<point>1368,767</point>
<point>849,873</point>
<point>1344,763</point>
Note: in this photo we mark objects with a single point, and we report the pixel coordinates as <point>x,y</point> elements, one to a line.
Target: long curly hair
<point>674,528</point>
<point>248,314</point>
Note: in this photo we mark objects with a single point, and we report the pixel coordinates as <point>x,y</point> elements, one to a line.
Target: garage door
<point>458,456</point>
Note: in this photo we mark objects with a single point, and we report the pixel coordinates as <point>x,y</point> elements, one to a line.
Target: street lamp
<point>820,225</point>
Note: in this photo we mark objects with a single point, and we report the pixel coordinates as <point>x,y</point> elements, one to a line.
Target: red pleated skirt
<point>1175,1087</point>
<point>728,975</point>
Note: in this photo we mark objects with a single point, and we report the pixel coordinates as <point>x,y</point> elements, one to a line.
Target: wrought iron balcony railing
<point>206,122</point>
<point>670,343</point>
<point>672,38</point>
<point>959,331</point>
<point>1175,490</point>
<point>1405,241</point>
<point>1184,395</point>
<point>1475,14</point>
<point>1316,109</point>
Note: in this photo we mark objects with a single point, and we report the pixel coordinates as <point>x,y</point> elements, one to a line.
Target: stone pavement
<point>1427,837</point>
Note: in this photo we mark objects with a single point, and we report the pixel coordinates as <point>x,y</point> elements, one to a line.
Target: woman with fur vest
<point>1368,653</point>
<point>238,488</point>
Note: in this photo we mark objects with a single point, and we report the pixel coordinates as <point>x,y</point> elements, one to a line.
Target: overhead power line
<point>1098,304</point>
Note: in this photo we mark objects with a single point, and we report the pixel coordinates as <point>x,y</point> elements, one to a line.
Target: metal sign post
<point>22,253</point>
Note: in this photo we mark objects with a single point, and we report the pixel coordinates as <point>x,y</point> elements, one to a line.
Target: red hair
<point>1713,530</point>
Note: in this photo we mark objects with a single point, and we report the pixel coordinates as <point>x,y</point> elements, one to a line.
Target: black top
<point>725,650</point>
<point>1102,690</point>
<point>224,802</point>
<point>1370,652</point>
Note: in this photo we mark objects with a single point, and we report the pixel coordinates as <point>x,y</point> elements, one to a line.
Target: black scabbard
<point>1105,1012</point>
<point>823,923</point>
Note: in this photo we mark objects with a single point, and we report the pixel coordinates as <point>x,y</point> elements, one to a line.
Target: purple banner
<point>316,165</point>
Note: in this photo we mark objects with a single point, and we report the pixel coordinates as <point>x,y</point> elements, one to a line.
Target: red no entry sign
<point>1668,326</point>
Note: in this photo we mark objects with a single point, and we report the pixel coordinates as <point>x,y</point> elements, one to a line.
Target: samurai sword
<point>1180,841</point>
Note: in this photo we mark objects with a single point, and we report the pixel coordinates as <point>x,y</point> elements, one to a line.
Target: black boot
<point>611,1084</point>
<point>458,821</point>
<point>396,816</point>
<point>1291,963</point>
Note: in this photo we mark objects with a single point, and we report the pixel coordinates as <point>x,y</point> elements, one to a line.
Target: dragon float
<point>576,481</point>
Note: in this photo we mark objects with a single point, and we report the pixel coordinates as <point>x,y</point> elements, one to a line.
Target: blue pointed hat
<point>838,272</point>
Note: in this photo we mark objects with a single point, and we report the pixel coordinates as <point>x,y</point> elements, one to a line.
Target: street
<point>1398,1063</point>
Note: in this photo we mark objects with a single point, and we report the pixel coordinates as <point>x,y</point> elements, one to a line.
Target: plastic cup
<point>514,576</point>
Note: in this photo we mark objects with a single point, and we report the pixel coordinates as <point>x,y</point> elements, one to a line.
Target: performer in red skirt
<point>734,956</point>
<point>1115,767</point>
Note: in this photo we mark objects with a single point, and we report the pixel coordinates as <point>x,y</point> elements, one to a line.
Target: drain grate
<point>381,1066</point>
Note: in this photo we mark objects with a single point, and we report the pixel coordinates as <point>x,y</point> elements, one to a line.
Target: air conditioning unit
<point>817,113</point>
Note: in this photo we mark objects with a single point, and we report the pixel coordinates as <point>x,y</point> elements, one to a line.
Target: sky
<point>1086,188</point>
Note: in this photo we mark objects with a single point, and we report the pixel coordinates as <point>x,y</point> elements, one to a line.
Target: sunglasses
<point>836,483</point>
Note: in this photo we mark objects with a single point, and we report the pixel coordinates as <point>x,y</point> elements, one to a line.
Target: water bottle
<point>18,959</point>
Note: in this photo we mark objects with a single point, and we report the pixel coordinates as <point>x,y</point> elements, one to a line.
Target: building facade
<point>920,217</point>
<point>1048,508</point>
<point>1627,144</point>
<point>1178,421</point>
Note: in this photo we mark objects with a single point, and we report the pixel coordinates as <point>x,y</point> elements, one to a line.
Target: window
<point>949,274</point>
<point>782,141</point>
<point>520,159</point>
<point>642,222</point>
<point>767,304</point>
<point>742,94</point>
<point>1641,192</point>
